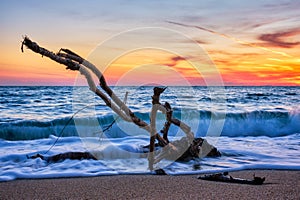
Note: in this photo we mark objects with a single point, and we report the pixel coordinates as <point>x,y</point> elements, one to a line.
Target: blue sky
<point>81,25</point>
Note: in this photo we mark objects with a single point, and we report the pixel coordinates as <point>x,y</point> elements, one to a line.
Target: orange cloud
<point>256,68</point>
<point>278,39</point>
<point>174,61</point>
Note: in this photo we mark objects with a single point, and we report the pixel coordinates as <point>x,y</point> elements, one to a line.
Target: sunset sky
<point>155,42</point>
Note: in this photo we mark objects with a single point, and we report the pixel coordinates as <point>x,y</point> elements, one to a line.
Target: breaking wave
<point>255,123</point>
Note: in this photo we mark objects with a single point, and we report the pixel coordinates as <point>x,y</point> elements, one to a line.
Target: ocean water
<point>252,127</point>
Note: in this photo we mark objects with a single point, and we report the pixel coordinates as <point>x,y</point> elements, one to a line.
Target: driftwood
<point>225,177</point>
<point>184,149</point>
<point>64,156</point>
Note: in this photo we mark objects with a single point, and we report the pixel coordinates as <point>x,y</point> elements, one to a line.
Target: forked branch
<point>73,61</point>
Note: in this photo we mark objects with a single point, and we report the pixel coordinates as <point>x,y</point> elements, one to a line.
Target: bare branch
<point>74,62</point>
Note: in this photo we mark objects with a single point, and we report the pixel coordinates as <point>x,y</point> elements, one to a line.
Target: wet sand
<point>278,185</point>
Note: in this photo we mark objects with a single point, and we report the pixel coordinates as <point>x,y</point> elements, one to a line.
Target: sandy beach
<point>279,184</point>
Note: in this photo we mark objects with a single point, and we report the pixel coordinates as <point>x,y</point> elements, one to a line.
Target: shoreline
<point>279,184</point>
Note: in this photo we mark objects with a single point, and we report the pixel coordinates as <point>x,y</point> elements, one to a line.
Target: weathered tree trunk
<point>75,62</point>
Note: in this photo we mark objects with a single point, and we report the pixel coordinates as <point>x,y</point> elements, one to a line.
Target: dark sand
<point>278,185</point>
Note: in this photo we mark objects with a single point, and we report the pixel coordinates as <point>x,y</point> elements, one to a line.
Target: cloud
<point>282,5</point>
<point>264,22</point>
<point>279,39</point>
<point>174,60</point>
<point>242,42</point>
<point>177,58</point>
<point>199,41</point>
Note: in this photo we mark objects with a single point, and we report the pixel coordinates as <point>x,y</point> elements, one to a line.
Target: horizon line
<point>153,85</point>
